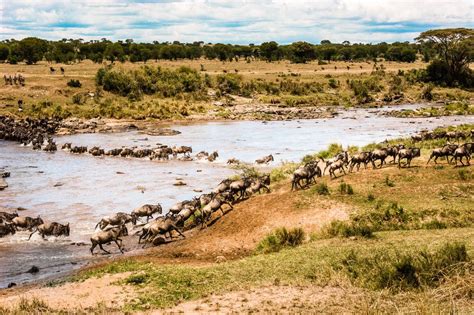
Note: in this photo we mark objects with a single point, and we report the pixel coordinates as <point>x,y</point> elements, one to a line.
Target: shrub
<point>78,99</point>
<point>280,239</point>
<point>333,83</point>
<point>400,271</point>
<point>74,83</point>
<point>229,83</point>
<point>389,182</point>
<point>346,189</point>
<point>348,229</point>
<point>464,174</point>
<point>322,189</point>
<point>370,197</point>
<point>427,94</point>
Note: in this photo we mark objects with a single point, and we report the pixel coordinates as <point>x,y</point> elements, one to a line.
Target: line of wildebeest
<point>160,230</point>
<point>38,134</point>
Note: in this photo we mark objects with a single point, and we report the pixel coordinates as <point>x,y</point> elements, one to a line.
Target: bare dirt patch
<point>77,295</point>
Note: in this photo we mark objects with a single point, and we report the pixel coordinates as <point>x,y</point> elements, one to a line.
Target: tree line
<point>32,49</point>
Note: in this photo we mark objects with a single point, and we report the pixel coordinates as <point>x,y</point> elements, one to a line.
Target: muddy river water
<point>81,189</point>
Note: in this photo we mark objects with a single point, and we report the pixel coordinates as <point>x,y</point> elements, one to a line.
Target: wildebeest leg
<point>92,248</point>
<point>266,188</point>
<point>177,230</point>
<point>100,246</point>
<point>32,234</point>
<point>119,246</point>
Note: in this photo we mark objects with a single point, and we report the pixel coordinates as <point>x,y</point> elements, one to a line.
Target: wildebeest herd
<point>156,231</point>
<point>16,79</point>
<point>149,230</point>
<point>306,174</point>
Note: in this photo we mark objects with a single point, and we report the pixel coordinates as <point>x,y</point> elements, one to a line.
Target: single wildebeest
<point>96,151</point>
<point>358,158</point>
<point>338,165</point>
<point>343,156</point>
<point>446,151</point>
<point>159,227</point>
<point>53,228</point>
<point>126,152</point>
<point>305,172</point>
<point>177,207</point>
<point>52,70</point>
<point>393,151</point>
<point>265,160</point>
<point>27,222</point>
<point>233,161</point>
<point>62,70</point>
<point>114,152</point>
<point>223,186</point>
<point>408,154</point>
<point>213,156</point>
<point>6,228</point>
<point>258,184</point>
<point>239,187</point>
<point>6,216</point>
<point>182,150</point>
<point>110,235</point>
<point>147,211</point>
<point>51,146</point>
<point>120,218</point>
<point>379,154</point>
<point>464,151</point>
<point>202,155</point>
<point>79,149</point>
<point>216,204</point>
<point>66,146</point>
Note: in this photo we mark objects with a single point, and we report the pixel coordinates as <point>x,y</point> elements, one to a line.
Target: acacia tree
<point>455,48</point>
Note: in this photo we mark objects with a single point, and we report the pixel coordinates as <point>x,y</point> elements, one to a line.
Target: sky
<point>235,22</point>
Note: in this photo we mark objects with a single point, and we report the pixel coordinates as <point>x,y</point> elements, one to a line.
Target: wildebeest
<point>53,228</point>
<point>265,160</point>
<point>126,152</point>
<point>79,149</point>
<point>182,150</point>
<point>445,151</point>
<point>379,155</point>
<point>239,187</point>
<point>147,211</point>
<point>6,216</point>
<point>7,228</point>
<point>214,205</point>
<point>66,146</point>
<point>305,172</point>
<point>464,151</point>
<point>114,152</point>
<point>338,165</point>
<point>52,70</point>
<point>177,207</point>
<point>27,222</point>
<point>51,146</point>
<point>223,186</point>
<point>96,151</point>
<point>258,184</point>
<point>233,161</point>
<point>120,218</point>
<point>213,156</point>
<point>162,226</point>
<point>408,154</point>
<point>62,70</point>
<point>342,156</point>
<point>110,235</point>
<point>358,158</point>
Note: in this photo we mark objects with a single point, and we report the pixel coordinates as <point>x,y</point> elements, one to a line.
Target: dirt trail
<point>241,229</point>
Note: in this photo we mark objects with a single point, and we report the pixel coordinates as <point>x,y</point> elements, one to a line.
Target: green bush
<point>347,229</point>
<point>280,239</point>
<point>229,83</point>
<point>74,83</point>
<point>322,189</point>
<point>346,189</point>
<point>399,271</point>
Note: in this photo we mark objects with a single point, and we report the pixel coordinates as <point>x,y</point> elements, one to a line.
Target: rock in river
<point>3,184</point>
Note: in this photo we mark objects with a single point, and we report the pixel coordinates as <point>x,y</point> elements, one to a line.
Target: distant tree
<point>114,52</point>
<point>325,42</point>
<point>4,52</point>
<point>302,52</point>
<point>455,49</point>
<point>32,49</point>
<point>269,51</point>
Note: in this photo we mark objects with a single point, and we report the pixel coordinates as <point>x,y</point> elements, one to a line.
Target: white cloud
<point>232,21</point>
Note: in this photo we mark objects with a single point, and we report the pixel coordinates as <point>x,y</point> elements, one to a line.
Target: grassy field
<point>276,85</point>
<point>407,246</point>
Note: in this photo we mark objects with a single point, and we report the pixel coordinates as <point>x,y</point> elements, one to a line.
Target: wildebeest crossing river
<point>81,189</point>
